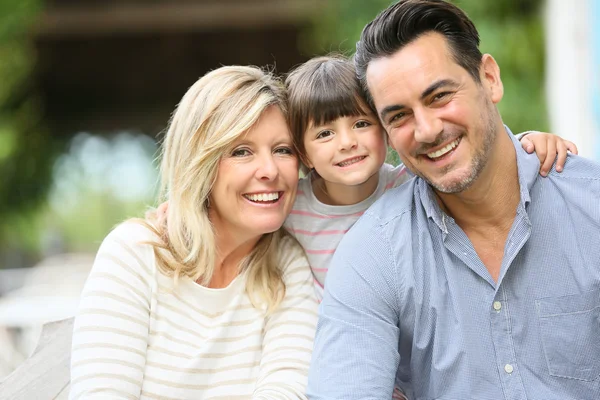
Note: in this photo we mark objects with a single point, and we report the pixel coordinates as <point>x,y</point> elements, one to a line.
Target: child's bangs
<point>337,100</point>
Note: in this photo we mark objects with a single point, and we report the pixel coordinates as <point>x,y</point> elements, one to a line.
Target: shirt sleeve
<point>110,332</point>
<point>289,335</point>
<point>356,345</point>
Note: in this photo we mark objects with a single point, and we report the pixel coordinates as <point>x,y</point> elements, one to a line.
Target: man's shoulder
<point>394,202</point>
<point>580,178</point>
<point>577,167</point>
<point>390,215</point>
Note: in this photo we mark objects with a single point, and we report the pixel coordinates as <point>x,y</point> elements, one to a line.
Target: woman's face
<point>256,181</point>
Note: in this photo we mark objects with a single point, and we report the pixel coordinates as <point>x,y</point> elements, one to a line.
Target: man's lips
<point>443,150</point>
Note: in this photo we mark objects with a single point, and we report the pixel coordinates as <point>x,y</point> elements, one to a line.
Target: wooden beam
<point>172,16</point>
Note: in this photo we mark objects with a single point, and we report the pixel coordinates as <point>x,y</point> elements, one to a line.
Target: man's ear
<point>490,78</point>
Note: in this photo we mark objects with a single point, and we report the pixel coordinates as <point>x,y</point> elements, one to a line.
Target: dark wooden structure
<point>109,65</point>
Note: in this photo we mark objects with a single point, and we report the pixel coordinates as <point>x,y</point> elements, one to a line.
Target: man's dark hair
<point>407,20</point>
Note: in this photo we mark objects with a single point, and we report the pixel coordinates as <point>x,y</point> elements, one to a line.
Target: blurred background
<point>87,88</point>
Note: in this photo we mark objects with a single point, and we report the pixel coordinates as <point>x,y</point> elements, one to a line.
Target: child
<point>343,146</point>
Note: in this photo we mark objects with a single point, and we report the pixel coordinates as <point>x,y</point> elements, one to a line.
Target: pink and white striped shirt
<point>320,227</point>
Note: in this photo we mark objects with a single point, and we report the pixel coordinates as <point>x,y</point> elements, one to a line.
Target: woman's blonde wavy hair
<point>216,111</point>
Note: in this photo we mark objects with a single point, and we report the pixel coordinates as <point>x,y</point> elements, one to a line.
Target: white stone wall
<point>572,71</point>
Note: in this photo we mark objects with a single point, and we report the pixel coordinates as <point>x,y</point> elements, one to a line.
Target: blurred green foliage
<point>26,150</point>
<point>510,30</point>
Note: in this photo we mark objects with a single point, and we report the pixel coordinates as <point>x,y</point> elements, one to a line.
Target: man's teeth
<point>443,150</point>
<point>350,162</point>
<point>263,196</point>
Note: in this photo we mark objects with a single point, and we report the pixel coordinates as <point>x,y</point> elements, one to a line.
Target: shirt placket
<point>501,328</point>
<point>500,316</point>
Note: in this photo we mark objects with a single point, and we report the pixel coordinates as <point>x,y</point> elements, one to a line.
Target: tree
<point>27,151</point>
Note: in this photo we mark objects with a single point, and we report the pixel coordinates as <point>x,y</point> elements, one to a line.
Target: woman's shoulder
<point>134,233</point>
<point>291,256</point>
<point>132,239</point>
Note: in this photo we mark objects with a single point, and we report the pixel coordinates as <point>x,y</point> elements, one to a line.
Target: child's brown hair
<point>320,91</point>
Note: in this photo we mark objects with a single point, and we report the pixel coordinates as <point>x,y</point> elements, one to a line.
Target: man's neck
<point>486,210</point>
<point>494,195</point>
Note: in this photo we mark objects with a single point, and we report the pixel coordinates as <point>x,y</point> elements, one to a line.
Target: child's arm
<point>547,147</point>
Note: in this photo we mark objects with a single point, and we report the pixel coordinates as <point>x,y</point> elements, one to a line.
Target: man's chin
<point>452,184</point>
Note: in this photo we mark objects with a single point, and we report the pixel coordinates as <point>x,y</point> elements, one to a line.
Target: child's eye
<point>362,124</point>
<point>324,134</point>
<point>284,150</point>
<point>240,153</point>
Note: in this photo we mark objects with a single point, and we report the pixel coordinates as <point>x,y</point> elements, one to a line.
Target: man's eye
<point>440,96</point>
<point>324,134</point>
<point>240,153</point>
<point>397,117</point>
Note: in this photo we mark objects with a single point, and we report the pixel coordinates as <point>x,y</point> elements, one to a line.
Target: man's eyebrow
<point>436,85</point>
<point>390,109</point>
<point>427,92</point>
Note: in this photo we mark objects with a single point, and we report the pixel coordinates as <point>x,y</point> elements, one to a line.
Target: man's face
<point>442,123</point>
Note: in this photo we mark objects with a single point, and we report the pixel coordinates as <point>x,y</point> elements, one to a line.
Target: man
<point>478,279</point>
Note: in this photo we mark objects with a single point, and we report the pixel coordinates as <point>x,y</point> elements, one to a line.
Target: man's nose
<point>427,126</point>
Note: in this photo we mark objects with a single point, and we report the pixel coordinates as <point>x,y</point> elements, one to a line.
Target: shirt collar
<point>528,167</point>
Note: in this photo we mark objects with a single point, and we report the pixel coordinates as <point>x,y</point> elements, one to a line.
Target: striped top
<point>138,337</point>
<point>320,227</point>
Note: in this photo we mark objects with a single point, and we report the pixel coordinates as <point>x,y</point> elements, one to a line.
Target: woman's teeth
<point>351,161</point>
<point>444,150</point>
<point>262,197</point>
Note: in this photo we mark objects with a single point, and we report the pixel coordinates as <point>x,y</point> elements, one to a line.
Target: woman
<point>225,307</point>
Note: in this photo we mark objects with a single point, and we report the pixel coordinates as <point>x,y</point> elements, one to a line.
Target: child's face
<point>347,151</point>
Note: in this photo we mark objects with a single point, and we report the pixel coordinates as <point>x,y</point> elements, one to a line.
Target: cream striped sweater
<point>135,337</point>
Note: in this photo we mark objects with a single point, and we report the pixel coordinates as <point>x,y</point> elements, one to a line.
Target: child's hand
<point>548,147</point>
<point>398,395</point>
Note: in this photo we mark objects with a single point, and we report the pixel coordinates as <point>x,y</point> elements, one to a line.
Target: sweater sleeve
<point>289,334</point>
<point>110,334</point>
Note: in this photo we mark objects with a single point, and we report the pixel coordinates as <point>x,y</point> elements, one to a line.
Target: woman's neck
<point>230,253</point>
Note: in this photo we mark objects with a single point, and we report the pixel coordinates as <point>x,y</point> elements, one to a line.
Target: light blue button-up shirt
<point>408,298</point>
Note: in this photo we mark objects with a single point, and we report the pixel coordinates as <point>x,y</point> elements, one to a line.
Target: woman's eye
<point>362,124</point>
<point>324,134</point>
<point>284,150</point>
<point>240,153</point>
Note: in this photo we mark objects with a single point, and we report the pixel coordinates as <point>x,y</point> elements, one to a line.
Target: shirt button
<point>508,368</point>
<point>497,305</point>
